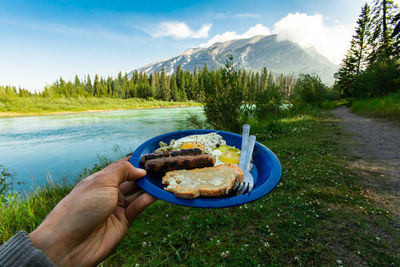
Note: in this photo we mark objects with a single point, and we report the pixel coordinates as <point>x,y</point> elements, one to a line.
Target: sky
<point>43,40</point>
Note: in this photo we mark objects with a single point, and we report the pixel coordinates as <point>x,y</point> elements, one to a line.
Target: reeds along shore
<point>35,105</point>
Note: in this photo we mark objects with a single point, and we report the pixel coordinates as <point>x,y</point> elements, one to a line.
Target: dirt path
<point>376,146</point>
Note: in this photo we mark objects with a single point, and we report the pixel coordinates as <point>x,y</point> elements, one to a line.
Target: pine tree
<point>115,88</point>
<point>96,86</point>
<point>360,47</point>
<point>164,92</point>
<point>264,77</point>
<point>109,87</point>
<point>174,89</point>
<point>347,73</point>
<point>244,79</point>
<point>270,80</point>
<point>133,85</point>
<point>383,25</point>
<point>146,87</point>
<point>258,86</point>
<point>103,87</point>
<point>396,34</point>
<point>77,82</point>
<point>125,86</point>
<point>356,58</point>
<point>154,83</point>
<point>88,86</point>
<point>180,81</point>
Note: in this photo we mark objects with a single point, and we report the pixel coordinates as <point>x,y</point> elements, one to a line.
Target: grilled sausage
<point>166,154</point>
<point>160,166</point>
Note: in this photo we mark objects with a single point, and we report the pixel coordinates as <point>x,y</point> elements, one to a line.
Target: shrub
<point>382,78</point>
<point>310,89</point>
<point>6,179</point>
<point>196,122</point>
<point>269,101</point>
<point>224,100</point>
<point>332,95</point>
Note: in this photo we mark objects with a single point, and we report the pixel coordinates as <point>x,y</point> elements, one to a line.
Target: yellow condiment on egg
<point>230,157</point>
<point>230,154</point>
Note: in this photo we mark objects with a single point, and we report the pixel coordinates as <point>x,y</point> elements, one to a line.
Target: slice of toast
<point>211,181</point>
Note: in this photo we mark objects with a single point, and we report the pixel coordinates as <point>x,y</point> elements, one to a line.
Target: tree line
<point>371,66</point>
<point>180,86</point>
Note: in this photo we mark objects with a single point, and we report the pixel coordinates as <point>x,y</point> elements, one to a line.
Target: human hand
<point>89,223</point>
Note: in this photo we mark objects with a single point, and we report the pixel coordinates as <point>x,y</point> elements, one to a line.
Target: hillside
<point>253,54</point>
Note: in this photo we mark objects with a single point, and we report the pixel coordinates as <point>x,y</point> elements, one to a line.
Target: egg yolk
<point>192,145</point>
<point>187,145</point>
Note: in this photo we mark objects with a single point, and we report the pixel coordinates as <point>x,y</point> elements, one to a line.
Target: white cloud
<point>180,30</point>
<point>306,30</point>
<point>310,31</point>
<point>258,29</point>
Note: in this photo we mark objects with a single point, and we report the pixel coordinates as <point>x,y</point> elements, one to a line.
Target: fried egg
<point>211,144</point>
<point>206,142</point>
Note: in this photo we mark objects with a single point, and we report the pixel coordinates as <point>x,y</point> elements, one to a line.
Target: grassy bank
<point>318,215</point>
<point>36,105</point>
<point>388,106</point>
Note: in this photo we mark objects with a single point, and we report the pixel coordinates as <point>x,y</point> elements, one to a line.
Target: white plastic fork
<point>245,141</point>
<point>248,183</point>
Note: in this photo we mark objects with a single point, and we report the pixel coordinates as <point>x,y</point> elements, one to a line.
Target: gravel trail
<point>377,144</point>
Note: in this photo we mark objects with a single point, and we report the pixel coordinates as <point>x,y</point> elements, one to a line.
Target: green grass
<point>318,215</point>
<point>36,105</point>
<point>387,106</point>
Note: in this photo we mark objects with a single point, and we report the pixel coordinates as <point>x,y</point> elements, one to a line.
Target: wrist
<point>49,244</point>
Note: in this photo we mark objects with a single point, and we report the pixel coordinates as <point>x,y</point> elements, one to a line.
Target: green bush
<point>269,101</point>
<point>382,78</point>
<point>6,180</point>
<point>332,95</point>
<point>196,122</point>
<point>309,89</point>
<point>224,100</point>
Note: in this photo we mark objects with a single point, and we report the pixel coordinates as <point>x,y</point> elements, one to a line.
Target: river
<point>57,147</point>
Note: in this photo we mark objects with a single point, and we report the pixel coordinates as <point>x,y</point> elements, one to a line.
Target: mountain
<point>253,54</point>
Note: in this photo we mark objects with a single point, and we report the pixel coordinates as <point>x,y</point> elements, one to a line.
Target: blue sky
<point>43,40</point>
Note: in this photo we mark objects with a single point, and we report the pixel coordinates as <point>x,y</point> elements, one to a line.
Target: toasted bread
<point>211,181</point>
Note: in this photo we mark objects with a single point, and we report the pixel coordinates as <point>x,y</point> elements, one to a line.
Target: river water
<point>58,147</point>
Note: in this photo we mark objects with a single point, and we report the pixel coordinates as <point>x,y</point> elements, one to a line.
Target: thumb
<point>127,172</point>
<point>121,171</point>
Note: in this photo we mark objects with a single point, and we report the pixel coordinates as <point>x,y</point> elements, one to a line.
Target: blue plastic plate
<point>266,171</point>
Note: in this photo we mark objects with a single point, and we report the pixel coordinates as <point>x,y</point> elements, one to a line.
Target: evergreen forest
<point>371,66</point>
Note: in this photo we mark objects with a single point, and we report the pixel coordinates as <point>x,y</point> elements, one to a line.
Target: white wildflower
<point>225,254</point>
